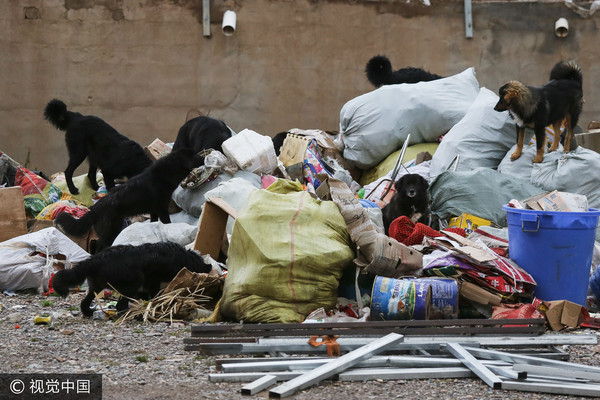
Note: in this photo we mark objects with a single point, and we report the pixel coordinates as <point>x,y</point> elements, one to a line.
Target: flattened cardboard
<point>13,221</point>
<point>478,294</point>
<point>212,226</point>
<point>563,313</point>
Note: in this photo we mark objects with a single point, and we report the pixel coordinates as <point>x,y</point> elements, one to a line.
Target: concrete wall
<point>142,64</point>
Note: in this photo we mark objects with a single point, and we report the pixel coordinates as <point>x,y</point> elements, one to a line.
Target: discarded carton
<point>12,213</point>
<point>563,201</point>
<point>589,140</point>
<point>478,294</point>
<point>157,149</point>
<point>212,226</point>
<point>563,314</point>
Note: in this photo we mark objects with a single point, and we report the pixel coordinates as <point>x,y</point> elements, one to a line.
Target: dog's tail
<point>57,114</point>
<point>66,279</point>
<point>77,226</point>
<point>567,70</point>
<point>379,70</point>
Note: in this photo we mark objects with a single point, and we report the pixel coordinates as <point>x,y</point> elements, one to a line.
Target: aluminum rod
<point>519,359</point>
<point>373,362</point>
<point>562,372</point>
<point>335,366</point>
<point>506,372</point>
<point>554,388</point>
<point>490,378</point>
<point>252,376</point>
<point>259,385</point>
<point>369,374</point>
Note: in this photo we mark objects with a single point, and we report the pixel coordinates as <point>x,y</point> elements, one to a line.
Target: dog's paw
<point>74,191</point>
<point>537,160</point>
<point>515,156</point>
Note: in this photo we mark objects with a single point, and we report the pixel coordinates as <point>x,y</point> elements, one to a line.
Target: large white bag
<point>480,139</point>
<point>376,124</point>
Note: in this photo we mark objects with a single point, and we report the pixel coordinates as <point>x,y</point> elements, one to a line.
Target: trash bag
<point>153,232</point>
<point>480,139</point>
<point>570,172</point>
<point>286,256</point>
<point>28,261</point>
<point>377,123</point>
<point>482,192</point>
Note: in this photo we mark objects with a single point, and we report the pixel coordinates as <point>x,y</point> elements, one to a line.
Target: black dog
<point>411,200</point>
<point>105,148</point>
<point>202,133</point>
<point>134,271</point>
<point>379,72</point>
<point>149,192</point>
<point>538,107</point>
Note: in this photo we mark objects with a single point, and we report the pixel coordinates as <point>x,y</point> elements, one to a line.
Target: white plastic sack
<point>480,139</point>
<point>192,200</point>
<point>21,265</point>
<point>376,124</point>
<point>573,172</point>
<point>153,232</point>
<point>236,192</point>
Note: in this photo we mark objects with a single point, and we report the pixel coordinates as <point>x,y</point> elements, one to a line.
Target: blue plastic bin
<point>556,248</point>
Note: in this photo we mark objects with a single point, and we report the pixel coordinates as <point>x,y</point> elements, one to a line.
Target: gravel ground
<point>148,361</point>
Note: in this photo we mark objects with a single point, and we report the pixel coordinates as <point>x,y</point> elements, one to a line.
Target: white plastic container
<point>251,151</point>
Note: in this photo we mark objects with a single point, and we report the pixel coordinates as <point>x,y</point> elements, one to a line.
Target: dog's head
<point>413,187</point>
<point>510,94</point>
<point>59,285</point>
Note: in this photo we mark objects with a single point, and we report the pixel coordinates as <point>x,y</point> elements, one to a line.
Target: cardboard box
<point>13,221</point>
<point>589,140</point>
<point>157,149</point>
<point>563,201</point>
<point>212,226</point>
<point>478,294</point>
<point>563,314</point>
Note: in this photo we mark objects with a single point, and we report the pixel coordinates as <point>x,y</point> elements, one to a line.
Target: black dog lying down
<point>379,72</point>
<point>411,200</point>
<point>202,133</point>
<point>105,148</point>
<point>134,271</point>
<point>149,192</point>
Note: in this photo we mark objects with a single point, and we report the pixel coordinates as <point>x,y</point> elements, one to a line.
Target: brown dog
<point>537,107</point>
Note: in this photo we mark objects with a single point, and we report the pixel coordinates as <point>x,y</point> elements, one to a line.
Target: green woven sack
<point>286,256</point>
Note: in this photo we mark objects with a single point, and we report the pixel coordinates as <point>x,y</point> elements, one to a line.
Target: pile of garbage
<point>299,230</point>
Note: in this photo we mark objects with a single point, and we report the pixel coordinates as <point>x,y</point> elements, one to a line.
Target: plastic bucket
<point>393,299</point>
<point>556,248</point>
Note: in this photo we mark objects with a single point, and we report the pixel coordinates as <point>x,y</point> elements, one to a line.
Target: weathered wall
<point>142,64</point>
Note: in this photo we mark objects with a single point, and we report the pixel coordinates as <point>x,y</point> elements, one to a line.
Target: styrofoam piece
<point>251,151</point>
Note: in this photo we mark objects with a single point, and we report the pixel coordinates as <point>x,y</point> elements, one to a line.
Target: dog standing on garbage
<point>411,200</point>
<point>134,271</point>
<point>538,107</point>
<point>202,133</point>
<point>379,72</point>
<point>149,192</point>
<point>90,137</point>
